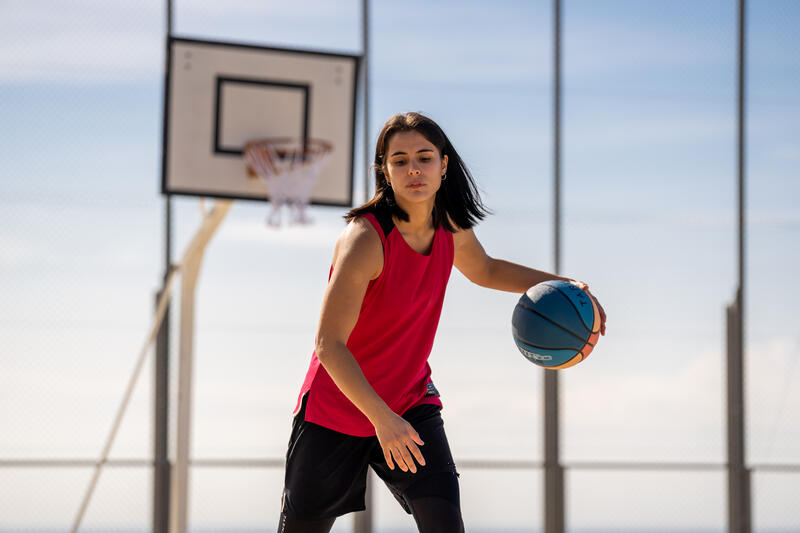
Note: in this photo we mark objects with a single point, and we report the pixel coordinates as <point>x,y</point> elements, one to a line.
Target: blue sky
<point>649,223</point>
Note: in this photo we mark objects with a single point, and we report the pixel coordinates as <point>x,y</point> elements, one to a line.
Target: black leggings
<point>434,502</point>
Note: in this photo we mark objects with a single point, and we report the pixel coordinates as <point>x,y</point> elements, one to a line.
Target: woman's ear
<point>444,165</point>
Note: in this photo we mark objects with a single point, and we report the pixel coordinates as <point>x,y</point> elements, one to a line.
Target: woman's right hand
<point>400,442</point>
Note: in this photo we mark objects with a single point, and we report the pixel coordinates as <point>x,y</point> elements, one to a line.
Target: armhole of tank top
<point>379,227</point>
<point>384,219</point>
<point>451,244</point>
<point>383,231</point>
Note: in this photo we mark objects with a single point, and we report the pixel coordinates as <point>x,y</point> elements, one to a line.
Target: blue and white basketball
<point>555,324</point>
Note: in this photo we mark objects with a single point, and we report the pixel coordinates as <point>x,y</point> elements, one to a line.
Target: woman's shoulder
<point>359,248</point>
<point>460,235</point>
<point>380,218</point>
<point>359,241</point>
<point>360,231</point>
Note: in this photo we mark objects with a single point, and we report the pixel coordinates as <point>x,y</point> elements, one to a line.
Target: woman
<point>368,399</point>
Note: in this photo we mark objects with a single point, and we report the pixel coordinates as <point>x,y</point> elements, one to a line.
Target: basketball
<point>555,324</point>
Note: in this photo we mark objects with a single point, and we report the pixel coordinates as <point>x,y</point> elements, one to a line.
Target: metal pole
<point>362,522</point>
<point>741,140</point>
<point>161,464</point>
<point>553,471</point>
<point>738,473</point>
<point>365,70</point>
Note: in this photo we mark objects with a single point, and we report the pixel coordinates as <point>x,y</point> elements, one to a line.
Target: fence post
<point>161,466</point>
<point>738,473</point>
<point>362,521</point>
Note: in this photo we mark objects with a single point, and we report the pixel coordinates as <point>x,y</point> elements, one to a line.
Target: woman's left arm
<point>472,261</point>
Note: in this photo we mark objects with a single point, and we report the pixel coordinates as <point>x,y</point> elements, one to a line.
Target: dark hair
<point>457,200</point>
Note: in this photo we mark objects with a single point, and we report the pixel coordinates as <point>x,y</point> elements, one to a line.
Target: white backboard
<point>221,95</point>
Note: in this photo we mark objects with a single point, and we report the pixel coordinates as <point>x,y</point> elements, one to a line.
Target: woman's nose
<point>413,171</point>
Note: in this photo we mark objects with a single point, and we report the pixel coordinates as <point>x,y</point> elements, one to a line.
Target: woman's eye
<point>398,162</point>
<point>425,159</point>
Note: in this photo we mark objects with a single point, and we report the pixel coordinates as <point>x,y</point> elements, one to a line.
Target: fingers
<point>388,456</point>
<point>402,458</point>
<point>415,449</point>
<point>602,316</point>
<point>404,453</point>
<point>400,443</point>
<point>581,285</point>
<point>600,309</point>
<point>406,460</point>
<point>415,436</point>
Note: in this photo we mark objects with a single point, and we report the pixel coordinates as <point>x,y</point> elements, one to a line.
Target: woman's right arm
<point>358,259</point>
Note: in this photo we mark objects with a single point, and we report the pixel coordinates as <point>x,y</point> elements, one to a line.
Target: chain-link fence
<point>649,209</point>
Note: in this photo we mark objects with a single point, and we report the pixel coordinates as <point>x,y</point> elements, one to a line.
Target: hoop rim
<point>307,151</point>
<point>305,146</point>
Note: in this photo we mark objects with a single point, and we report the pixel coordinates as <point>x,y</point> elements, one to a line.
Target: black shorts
<point>326,471</point>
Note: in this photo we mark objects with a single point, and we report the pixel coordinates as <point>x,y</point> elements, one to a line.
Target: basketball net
<point>289,168</point>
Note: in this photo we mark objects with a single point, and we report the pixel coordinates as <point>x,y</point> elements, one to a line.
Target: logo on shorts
<point>431,390</point>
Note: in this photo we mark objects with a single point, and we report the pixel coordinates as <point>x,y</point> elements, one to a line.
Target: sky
<point>649,185</point>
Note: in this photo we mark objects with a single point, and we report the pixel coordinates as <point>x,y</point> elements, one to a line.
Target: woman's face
<point>414,167</point>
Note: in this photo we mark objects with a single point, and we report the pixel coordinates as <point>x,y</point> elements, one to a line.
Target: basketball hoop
<point>289,168</point>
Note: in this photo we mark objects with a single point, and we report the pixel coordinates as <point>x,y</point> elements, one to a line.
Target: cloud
<point>93,41</point>
<point>85,41</point>
<point>644,37</point>
<point>18,252</point>
<point>595,132</point>
<point>652,412</point>
<point>258,8</point>
<point>696,219</point>
<point>773,372</point>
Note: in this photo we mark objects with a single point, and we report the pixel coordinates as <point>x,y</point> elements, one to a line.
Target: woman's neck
<point>420,217</point>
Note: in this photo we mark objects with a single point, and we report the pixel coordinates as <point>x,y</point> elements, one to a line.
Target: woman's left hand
<point>602,312</point>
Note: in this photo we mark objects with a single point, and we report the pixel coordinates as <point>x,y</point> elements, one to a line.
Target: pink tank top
<point>393,336</point>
